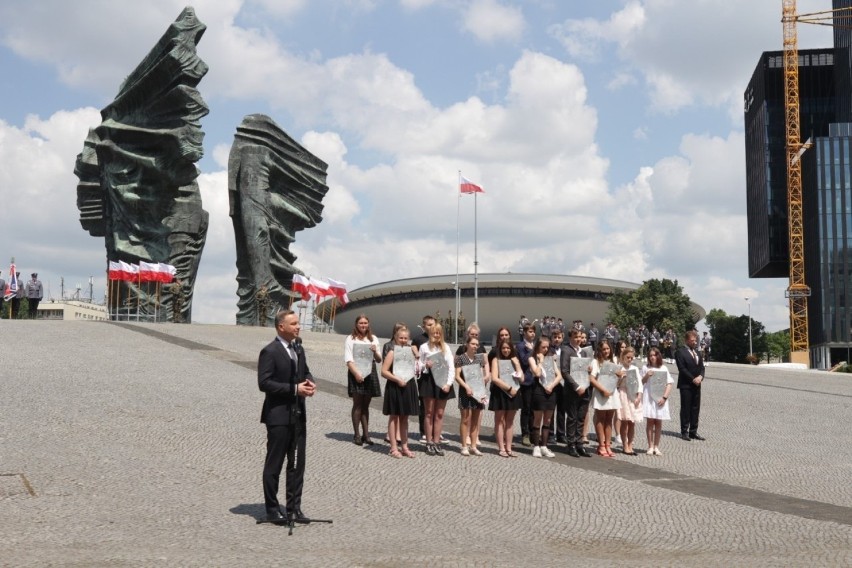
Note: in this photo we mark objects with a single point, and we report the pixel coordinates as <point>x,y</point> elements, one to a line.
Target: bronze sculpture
<point>137,169</point>
<point>275,188</point>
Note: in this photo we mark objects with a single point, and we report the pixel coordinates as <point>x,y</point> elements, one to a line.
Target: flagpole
<point>458,288</point>
<point>475,264</point>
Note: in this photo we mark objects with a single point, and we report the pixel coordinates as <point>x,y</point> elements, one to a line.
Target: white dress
<point>650,409</point>
<point>598,400</point>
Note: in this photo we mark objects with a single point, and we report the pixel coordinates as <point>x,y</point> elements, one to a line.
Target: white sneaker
<point>545,451</point>
<point>617,440</point>
<point>537,452</point>
<point>423,439</point>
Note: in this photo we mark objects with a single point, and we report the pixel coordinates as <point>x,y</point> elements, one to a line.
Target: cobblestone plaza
<point>140,445</point>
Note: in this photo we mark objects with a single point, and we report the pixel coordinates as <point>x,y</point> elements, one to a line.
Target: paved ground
<point>139,445</point>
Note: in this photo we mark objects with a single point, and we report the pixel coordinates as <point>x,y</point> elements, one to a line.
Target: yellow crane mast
<point>797,291</point>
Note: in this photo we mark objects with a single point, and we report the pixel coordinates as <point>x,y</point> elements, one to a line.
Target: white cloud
<point>583,38</point>
<point>490,21</point>
<point>679,47</point>
<point>281,8</point>
<point>416,4</point>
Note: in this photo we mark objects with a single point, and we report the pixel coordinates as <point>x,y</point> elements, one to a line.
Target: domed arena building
<point>503,298</point>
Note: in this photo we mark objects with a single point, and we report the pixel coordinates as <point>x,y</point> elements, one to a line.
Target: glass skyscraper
<point>825,106</point>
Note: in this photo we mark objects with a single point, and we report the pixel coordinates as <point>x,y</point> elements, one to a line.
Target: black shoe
<point>581,451</point>
<point>430,449</point>
<point>439,451</point>
<point>698,437</point>
<point>561,440</point>
<point>366,441</point>
<point>572,451</point>
<point>276,517</point>
<point>297,516</point>
<point>685,437</point>
<point>356,439</point>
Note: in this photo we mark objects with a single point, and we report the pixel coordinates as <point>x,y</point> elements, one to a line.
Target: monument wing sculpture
<point>275,188</point>
<point>137,169</point>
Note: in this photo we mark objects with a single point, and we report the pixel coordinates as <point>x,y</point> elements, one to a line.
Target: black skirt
<point>428,389</point>
<point>541,400</point>
<point>499,400</point>
<point>370,386</point>
<point>401,401</point>
<point>468,403</point>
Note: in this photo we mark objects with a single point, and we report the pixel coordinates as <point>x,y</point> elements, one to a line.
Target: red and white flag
<point>167,273</point>
<point>114,272</point>
<point>467,186</point>
<point>12,284</point>
<point>320,289</point>
<point>148,272</point>
<point>338,289</point>
<point>129,271</point>
<point>302,285</point>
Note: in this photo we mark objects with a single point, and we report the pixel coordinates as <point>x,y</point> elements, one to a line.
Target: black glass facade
<point>825,102</point>
<point>827,172</point>
<point>766,170</point>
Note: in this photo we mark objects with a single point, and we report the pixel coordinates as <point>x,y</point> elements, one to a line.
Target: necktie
<point>694,355</point>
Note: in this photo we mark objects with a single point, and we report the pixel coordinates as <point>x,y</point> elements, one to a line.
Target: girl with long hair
<point>362,388</point>
<point>435,396</point>
<point>469,407</point>
<point>400,394</point>
<point>604,401</point>
<point>655,410</point>
<point>505,399</point>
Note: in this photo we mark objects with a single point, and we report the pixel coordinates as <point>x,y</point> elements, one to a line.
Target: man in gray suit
<point>283,374</point>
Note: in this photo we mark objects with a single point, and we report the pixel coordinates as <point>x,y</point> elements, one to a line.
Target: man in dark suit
<point>282,373</point>
<point>690,369</point>
<point>575,399</point>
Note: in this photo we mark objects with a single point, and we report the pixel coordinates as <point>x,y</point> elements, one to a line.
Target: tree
<point>730,336</point>
<point>657,304</point>
<point>778,345</point>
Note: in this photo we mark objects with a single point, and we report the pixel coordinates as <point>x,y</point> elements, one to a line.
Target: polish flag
<point>302,285</point>
<point>338,289</point>
<point>114,272</point>
<point>320,289</point>
<point>148,272</point>
<point>468,186</point>
<point>167,273</point>
<point>130,271</point>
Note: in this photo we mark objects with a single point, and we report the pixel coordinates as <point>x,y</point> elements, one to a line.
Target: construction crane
<point>797,291</point>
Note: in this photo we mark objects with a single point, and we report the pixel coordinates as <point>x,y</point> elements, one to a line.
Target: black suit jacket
<point>277,376</point>
<point>687,367</point>
<point>568,353</point>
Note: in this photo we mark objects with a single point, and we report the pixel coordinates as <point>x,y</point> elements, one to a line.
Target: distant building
<point>502,299</point>
<point>825,105</point>
<point>71,310</point>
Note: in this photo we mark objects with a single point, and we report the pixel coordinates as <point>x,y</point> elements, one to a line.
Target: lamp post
<point>750,350</point>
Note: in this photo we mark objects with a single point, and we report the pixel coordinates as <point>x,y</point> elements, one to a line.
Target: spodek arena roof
<point>502,300</point>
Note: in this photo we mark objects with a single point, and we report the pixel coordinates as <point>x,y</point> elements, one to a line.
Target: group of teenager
<point>532,376</point>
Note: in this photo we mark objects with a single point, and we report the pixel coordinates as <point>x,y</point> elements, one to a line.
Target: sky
<point>608,135</point>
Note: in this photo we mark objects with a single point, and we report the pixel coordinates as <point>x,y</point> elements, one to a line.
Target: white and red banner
<point>167,273</point>
<point>114,272</point>
<point>130,271</point>
<point>467,186</point>
<point>148,272</point>
<point>12,284</point>
<point>338,290</point>
<point>319,288</point>
<point>302,286</point>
